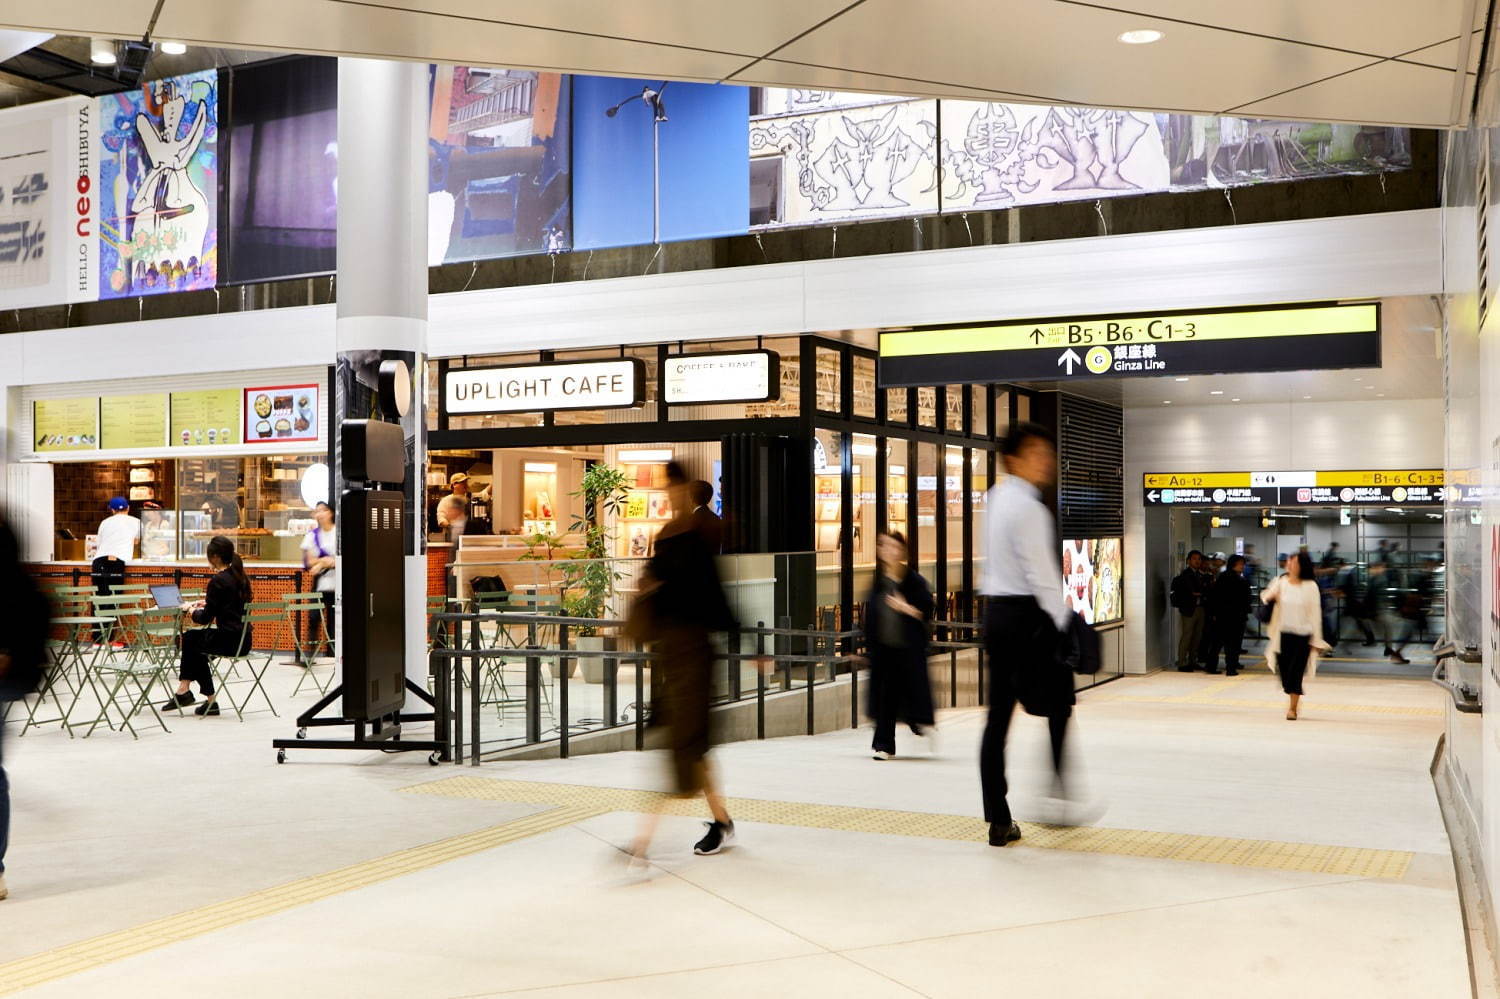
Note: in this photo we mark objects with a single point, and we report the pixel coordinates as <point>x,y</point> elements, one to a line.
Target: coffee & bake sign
<point>618,384</point>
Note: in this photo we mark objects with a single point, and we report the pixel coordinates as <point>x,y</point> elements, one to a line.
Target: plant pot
<point>593,665</point>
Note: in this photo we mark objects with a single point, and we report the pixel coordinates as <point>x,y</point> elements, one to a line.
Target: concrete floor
<point>171,851</point>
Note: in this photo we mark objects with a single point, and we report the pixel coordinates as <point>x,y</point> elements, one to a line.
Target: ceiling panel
<point>1216,54</point>
<point>1344,24</point>
<point>1407,92</point>
<point>775,73</point>
<point>335,27</point>
<point>1192,68</point>
<point>751,29</point>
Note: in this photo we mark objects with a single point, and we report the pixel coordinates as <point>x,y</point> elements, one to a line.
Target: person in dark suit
<point>687,606</point>
<point>705,521</point>
<point>1229,606</point>
<point>223,606</point>
<point>897,622</point>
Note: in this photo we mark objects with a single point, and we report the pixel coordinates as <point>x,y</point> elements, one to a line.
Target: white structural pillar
<point>382,286</point>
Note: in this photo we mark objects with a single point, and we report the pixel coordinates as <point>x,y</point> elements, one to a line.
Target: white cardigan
<point>1305,612</point>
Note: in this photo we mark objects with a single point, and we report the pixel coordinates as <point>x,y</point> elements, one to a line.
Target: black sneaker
<point>207,708</point>
<point>1211,670</point>
<point>178,701</point>
<point>719,835</point>
<point>999,837</point>
<point>1231,672</point>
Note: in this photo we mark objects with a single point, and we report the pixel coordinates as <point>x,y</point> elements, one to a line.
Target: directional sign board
<point>1388,487</point>
<point>1280,338</point>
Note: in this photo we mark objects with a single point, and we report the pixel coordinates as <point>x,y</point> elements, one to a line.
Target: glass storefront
<point>183,502</point>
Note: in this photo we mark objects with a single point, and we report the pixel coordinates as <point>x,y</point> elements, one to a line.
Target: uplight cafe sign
<point>618,384</point>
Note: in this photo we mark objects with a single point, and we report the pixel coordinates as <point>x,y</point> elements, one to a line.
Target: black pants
<point>1228,637</point>
<point>106,571</point>
<point>894,694</point>
<point>201,643</point>
<point>1016,634</point>
<point>1291,662</point>
<point>328,619</point>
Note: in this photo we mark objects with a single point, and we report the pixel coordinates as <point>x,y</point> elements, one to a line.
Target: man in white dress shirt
<point>1025,614</point>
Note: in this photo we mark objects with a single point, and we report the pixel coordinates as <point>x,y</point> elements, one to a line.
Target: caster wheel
<point>281,756</point>
<point>302,733</point>
<point>433,759</point>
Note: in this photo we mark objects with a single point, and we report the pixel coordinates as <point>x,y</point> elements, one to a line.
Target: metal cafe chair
<point>313,636</point>
<point>227,668</point>
<point>125,683</point>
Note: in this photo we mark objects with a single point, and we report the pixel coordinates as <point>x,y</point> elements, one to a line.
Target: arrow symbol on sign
<point>1152,495</point>
<point>1036,336</point>
<point>1070,357</point>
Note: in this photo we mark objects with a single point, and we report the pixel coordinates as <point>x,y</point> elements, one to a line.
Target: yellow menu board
<point>65,424</point>
<point>133,422</point>
<point>206,418</point>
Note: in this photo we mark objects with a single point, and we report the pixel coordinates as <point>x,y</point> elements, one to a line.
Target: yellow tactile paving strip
<point>1306,857</point>
<point>86,954</point>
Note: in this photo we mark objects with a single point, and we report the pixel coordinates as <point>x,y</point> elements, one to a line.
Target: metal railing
<point>470,673</point>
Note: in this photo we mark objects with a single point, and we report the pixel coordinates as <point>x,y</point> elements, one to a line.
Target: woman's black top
<point>888,627</point>
<point>690,593</point>
<point>223,604</point>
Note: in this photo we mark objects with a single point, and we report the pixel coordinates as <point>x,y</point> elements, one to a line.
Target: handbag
<point>1264,611</point>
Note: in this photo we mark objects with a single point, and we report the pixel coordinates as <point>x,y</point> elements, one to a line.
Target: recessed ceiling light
<point>1166,402</point>
<point>1307,397</point>
<point>1217,392</point>
<point>1141,36</point>
<point>102,51</point>
<point>1235,399</point>
<point>1369,386</point>
<point>1183,379</point>
<point>173,48</point>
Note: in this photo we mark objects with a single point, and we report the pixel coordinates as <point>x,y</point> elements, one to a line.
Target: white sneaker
<point>931,735</point>
<point>3,890</point>
<point>881,754</point>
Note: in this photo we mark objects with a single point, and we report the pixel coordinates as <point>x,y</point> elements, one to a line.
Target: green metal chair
<point>314,636</point>
<point>227,668</point>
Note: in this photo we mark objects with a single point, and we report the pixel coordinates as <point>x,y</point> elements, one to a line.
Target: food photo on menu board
<point>275,414</point>
<point>1092,580</point>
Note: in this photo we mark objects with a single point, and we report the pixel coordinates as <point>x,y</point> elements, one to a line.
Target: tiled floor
<point>317,878</point>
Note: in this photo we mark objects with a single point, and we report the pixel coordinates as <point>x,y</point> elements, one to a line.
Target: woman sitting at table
<point>223,606</point>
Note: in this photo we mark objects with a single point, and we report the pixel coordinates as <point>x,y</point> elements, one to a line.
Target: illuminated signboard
<point>1377,487</point>
<point>534,387</point>
<point>748,376</point>
<point>1282,338</point>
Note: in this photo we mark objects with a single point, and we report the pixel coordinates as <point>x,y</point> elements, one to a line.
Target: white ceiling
<point>1411,368</point>
<point>1407,62</point>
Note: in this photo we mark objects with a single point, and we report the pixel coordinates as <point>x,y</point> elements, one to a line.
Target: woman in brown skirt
<point>687,604</point>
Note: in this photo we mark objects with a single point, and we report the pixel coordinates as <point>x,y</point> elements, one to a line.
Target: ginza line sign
<point>527,388</point>
<point>1280,338</point>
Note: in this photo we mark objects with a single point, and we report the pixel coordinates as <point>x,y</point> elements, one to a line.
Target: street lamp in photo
<point>650,97</point>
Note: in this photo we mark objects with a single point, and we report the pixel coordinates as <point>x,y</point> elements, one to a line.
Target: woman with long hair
<point>1296,627</point>
<point>223,606</point>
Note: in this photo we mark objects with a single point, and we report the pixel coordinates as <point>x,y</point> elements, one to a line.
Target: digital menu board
<point>1093,582</point>
<point>279,414</point>
<point>133,422</point>
<point>65,424</point>
<point>206,418</point>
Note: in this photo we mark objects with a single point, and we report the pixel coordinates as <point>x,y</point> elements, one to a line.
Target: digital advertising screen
<point>1093,578</point>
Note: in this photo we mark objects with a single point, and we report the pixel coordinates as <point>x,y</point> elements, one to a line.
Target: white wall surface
<point>1388,433</point>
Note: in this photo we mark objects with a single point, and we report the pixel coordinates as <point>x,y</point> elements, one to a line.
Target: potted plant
<point>587,586</point>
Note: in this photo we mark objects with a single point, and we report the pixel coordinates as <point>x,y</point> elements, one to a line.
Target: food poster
<point>206,418</point>
<point>280,414</point>
<point>66,424</point>
<point>635,506</point>
<point>159,187</point>
<point>1092,582</point>
<point>133,422</point>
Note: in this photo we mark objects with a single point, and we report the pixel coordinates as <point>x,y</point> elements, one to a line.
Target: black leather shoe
<point>1004,837</point>
<point>207,708</point>
<point>178,701</point>
<point>1211,672</point>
